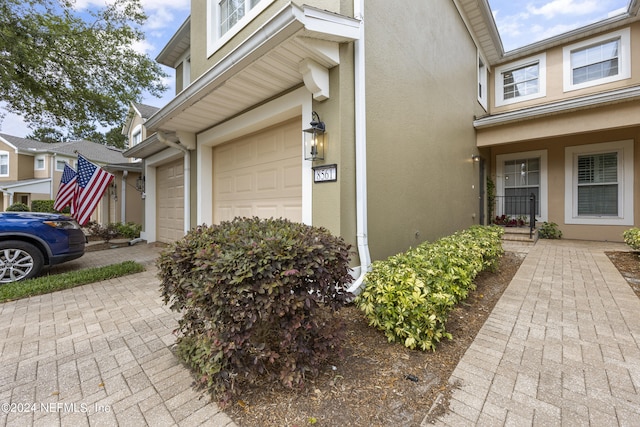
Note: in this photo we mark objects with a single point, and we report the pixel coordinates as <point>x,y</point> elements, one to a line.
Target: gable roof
<point>93,151</point>
<point>144,110</point>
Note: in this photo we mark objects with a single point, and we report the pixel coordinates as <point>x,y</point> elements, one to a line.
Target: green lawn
<point>46,284</point>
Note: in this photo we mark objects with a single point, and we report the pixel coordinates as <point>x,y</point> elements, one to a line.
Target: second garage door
<point>170,197</point>
<point>260,175</point>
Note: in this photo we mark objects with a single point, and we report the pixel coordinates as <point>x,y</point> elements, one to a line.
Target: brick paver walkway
<point>98,355</point>
<point>561,347</point>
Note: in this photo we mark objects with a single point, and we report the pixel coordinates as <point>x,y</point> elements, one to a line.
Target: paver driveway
<point>97,354</point>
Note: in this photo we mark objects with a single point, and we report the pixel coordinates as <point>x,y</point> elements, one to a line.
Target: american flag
<point>92,182</point>
<point>67,188</point>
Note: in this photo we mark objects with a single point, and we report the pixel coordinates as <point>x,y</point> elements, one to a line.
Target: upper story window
<point>39,163</point>
<point>4,163</point>
<point>136,136</point>
<point>60,165</point>
<point>483,85</point>
<point>227,17</point>
<point>596,61</point>
<point>521,81</point>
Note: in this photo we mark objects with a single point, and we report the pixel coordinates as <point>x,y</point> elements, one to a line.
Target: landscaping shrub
<point>42,206</point>
<point>549,230</point>
<point>104,232</point>
<point>632,238</point>
<point>257,299</point>
<point>18,207</point>
<point>409,295</point>
<point>129,230</point>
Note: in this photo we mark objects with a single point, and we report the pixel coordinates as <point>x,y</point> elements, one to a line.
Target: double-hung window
<point>597,61</point>
<point>39,163</point>
<point>60,165</point>
<point>227,17</point>
<point>600,187</point>
<point>4,163</point>
<point>521,81</point>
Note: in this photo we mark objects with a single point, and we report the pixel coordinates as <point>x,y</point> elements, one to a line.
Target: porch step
<point>519,234</point>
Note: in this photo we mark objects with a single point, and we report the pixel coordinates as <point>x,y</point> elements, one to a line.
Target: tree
<point>115,138</point>
<point>46,134</point>
<point>63,69</point>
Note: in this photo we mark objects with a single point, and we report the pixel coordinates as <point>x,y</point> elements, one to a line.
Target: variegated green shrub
<point>632,238</point>
<point>409,295</point>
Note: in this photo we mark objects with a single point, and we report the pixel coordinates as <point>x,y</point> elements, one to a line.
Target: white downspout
<point>361,151</point>
<point>187,178</point>
<point>123,197</point>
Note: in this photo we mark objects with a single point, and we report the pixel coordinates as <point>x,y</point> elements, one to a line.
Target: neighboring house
<point>564,124</point>
<point>406,95</point>
<point>31,170</point>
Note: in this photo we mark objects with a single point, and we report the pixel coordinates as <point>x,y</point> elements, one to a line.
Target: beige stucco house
<point>413,123</point>
<point>564,124</point>
<point>31,170</point>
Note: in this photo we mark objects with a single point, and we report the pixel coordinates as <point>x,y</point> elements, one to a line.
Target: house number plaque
<point>325,173</point>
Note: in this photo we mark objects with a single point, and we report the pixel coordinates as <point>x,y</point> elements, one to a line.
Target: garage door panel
<point>268,184</point>
<point>170,201</point>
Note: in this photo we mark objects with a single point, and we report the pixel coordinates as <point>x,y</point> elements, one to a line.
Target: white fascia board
<point>590,101</point>
<point>287,22</point>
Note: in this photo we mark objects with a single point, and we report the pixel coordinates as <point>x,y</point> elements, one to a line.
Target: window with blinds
<point>598,184</point>
<point>595,62</point>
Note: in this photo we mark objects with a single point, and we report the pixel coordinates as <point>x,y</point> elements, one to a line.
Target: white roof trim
<point>616,96</point>
<point>289,21</point>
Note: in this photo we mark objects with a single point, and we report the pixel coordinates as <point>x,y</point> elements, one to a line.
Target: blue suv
<point>31,240</point>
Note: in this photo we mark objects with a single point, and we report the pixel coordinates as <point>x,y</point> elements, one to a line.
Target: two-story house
<point>408,110</point>
<point>31,170</point>
<point>564,125</point>
<point>394,88</point>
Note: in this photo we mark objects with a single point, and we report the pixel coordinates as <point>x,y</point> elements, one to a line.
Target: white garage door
<point>260,175</point>
<point>170,197</point>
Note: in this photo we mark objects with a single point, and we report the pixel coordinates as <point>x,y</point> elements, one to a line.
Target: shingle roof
<point>91,150</point>
<point>145,111</point>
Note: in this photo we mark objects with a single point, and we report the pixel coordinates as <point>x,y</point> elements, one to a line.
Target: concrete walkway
<point>98,355</point>
<point>561,347</point>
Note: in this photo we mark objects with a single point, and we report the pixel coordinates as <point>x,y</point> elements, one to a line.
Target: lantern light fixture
<point>475,157</point>
<point>314,139</point>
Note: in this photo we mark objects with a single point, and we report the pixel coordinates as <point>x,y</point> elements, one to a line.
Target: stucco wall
<point>554,75</point>
<point>334,204</point>
<point>556,178</point>
<point>421,101</point>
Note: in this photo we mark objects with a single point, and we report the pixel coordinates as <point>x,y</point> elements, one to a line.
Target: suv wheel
<point>19,261</point>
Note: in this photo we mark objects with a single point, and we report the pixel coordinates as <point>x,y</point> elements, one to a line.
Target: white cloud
<point>566,7</point>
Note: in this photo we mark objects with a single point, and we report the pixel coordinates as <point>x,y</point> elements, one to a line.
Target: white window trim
<point>483,80</point>
<point>35,163</point>
<point>136,131</point>
<point>214,39</point>
<point>186,71</point>
<point>541,60</point>
<point>625,183</point>
<point>624,63</point>
<point>66,162</point>
<point>6,153</point>
<point>542,154</point>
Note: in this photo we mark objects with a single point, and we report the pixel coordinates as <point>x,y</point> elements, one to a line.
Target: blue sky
<point>523,22</point>
<point>519,23</point>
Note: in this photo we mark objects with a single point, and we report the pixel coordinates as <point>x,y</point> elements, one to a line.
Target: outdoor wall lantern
<point>475,157</point>
<point>140,183</point>
<point>314,139</point>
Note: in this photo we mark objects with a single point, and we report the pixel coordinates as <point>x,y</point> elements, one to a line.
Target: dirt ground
<point>378,383</point>
<point>385,384</point>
